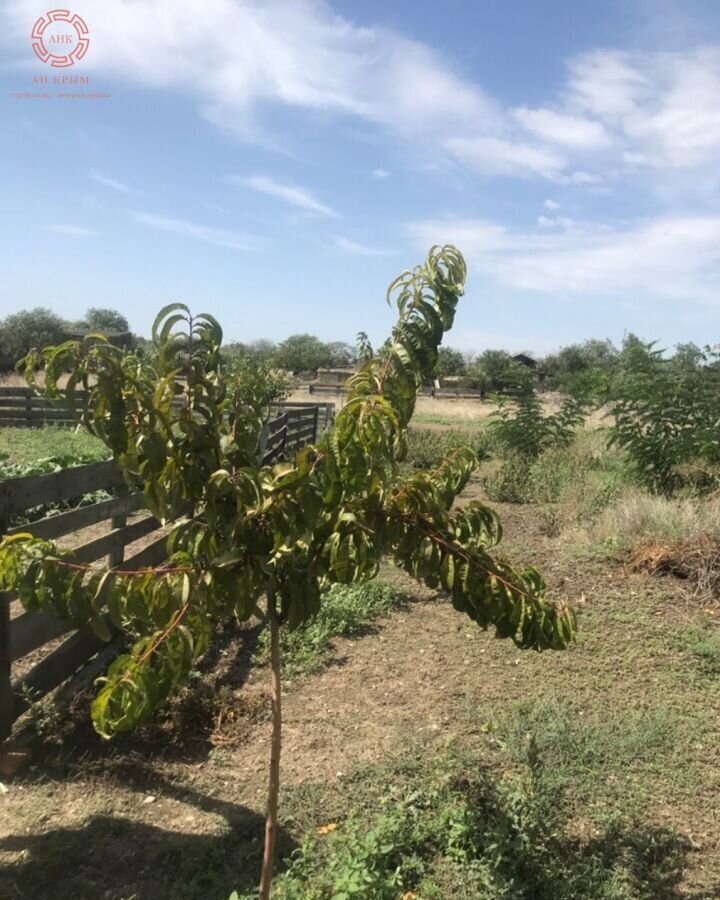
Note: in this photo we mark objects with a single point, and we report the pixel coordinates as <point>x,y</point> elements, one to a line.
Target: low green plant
<point>702,644</point>
<point>426,447</point>
<point>347,609</point>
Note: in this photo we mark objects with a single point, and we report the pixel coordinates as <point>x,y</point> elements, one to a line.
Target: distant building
<point>524,359</point>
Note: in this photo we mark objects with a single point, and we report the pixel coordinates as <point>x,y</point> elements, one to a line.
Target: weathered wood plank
<point>18,391</point>
<point>82,517</point>
<point>109,544</point>
<point>31,630</point>
<point>55,668</point>
<point>39,415</point>
<point>19,494</point>
<point>152,555</point>
<point>36,403</point>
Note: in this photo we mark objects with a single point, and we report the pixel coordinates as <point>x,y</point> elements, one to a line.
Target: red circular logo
<point>60,38</point>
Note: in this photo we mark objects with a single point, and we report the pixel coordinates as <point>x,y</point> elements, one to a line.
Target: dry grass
<point>638,518</point>
<point>664,536</point>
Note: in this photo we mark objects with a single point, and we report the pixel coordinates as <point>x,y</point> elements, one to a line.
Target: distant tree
<point>340,354</point>
<point>302,353</point>
<point>450,362</point>
<point>579,369</point>
<point>687,357</point>
<point>101,319</point>
<point>500,371</point>
<point>261,350</point>
<point>22,331</point>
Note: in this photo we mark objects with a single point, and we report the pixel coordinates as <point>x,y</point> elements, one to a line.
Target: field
<point>422,758</point>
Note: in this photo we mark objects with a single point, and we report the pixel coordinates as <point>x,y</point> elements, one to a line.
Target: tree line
<point>573,369</point>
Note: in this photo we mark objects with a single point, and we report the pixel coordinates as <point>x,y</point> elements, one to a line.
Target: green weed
<point>347,609</point>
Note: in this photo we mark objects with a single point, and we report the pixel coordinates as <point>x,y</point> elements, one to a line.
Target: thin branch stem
<point>275,749</point>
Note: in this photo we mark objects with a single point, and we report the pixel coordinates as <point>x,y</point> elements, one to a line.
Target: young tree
<point>363,348</point>
<point>282,532</point>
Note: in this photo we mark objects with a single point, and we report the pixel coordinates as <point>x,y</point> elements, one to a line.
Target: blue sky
<point>278,163</point>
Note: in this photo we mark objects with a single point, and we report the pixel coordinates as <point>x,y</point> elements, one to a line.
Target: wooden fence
<point>38,651</point>
<point>445,393</point>
<point>21,407</point>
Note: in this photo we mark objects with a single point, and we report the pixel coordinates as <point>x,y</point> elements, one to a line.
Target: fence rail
<point>118,531</point>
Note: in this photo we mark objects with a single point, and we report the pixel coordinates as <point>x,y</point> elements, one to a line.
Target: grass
<point>461,422</point>
<point>701,643</point>
<point>500,820</point>
<point>347,610</point>
<point>27,445</point>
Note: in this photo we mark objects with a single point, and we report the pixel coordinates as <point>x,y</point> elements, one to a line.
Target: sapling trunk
<point>275,747</point>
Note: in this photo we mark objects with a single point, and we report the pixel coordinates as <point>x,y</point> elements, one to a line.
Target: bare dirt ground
<point>176,810</point>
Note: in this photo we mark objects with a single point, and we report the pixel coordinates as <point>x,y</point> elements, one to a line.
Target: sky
<point>277,164</point>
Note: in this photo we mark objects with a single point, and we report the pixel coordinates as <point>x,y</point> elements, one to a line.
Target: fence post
<point>6,694</point>
<point>316,416</point>
<point>117,554</point>
<point>264,432</point>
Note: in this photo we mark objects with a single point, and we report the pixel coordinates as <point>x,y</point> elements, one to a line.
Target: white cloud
<point>560,128</point>
<point>70,230</point>
<point>664,106</point>
<point>110,182</point>
<point>580,178</point>
<point>296,196</point>
<point>360,249</point>
<point>380,173</point>
<point>220,236</point>
<point>551,204</point>
<point>670,258</point>
<point>493,156</point>
<point>238,58</point>
<point>243,61</point>
<point>554,222</point>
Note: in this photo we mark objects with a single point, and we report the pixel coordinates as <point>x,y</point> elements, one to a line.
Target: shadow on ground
<point>114,857</point>
<point>181,730</point>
